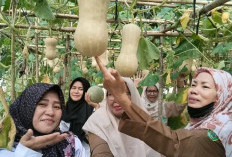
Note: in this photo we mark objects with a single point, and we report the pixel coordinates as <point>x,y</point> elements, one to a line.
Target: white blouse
<point>22,151</point>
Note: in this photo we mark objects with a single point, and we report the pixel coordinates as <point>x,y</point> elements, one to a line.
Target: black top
<point>77,112</point>
<point>22,112</point>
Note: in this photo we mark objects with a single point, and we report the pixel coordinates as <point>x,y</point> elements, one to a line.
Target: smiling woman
<point>102,129</point>
<point>209,131</point>
<point>37,113</point>
<point>209,134</point>
<point>149,98</point>
<point>77,110</point>
<point>47,113</point>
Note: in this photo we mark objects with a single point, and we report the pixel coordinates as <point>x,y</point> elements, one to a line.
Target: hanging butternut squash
<point>91,35</point>
<point>50,50</point>
<point>127,62</point>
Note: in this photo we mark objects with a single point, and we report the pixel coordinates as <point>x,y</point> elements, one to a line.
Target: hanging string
<point>194,13</point>
<point>115,18</point>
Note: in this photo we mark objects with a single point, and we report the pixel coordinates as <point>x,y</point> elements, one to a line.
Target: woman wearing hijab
<point>149,98</point>
<point>209,133</point>
<point>37,113</point>
<point>102,129</point>
<point>77,110</point>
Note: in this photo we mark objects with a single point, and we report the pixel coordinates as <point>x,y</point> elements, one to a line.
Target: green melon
<point>96,94</point>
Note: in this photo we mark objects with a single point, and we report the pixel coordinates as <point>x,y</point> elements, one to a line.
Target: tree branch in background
<point>211,6</point>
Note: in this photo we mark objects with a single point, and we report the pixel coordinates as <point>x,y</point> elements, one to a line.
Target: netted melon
<point>96,94</point>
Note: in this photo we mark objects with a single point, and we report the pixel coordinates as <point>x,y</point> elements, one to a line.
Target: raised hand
<point>114,83</point>
<point>39,142</point>
<point>87,99</point>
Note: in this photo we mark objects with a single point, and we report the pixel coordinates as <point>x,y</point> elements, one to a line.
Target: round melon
<point>96,94</point>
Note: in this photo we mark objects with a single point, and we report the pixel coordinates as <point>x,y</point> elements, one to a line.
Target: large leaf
<point>6,4</point>
<point>181,97</point>
<point>7,132</point>
<point>221,65</point>
<point>7,126</point>
<point>150,80</point>
<point>184,20</point>
<point>217,17</point>
<point>189,50</point>
<point>27,5</point>
<point>222,48</point>
<point>73,1</point>
<point>146,53</point>
<point>43,10</point>
<point>208,27</point>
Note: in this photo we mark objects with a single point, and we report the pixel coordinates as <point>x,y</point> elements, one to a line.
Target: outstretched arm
<point>38,142</point>
<point>114,83</point>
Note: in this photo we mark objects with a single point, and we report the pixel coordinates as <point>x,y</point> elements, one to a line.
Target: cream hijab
<point>105,125</point>
<point>152,107</point>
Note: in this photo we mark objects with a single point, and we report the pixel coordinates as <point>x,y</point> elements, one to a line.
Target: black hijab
<point>22,111</point>
<point>77,112</point>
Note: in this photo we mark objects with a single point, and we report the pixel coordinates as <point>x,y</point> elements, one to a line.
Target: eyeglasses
<point>152,91</point>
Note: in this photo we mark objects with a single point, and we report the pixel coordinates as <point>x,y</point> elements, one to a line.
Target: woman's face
<point>48,113</point>
<point>202,91</point>
<point>114,107</point>
<point>152,93</point>
<point>76,91</point>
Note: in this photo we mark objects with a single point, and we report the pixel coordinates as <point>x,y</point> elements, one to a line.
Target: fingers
<point>58,138</point>
<point>86,96</point>
<point>101,66</point>
<point>51,139</point>
<point>115,73</point>
<point>28,135</point>
<point>39,142</point>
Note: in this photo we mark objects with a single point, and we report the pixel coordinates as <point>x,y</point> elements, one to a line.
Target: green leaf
<point>177,63</point>
<point>146,53</point>
<point>208,27</point>
<point>73,1</point>
<point>150,80</point>
<point>7,5</point>
<point>221,65</point>
<point>174,76</point>
<point>181,95</point>
<point>7,132</point>
<point>185,49</point>
<point>170,97</point>
<point>222,48</point>
<point>76,72</point>
<point>217,17</point>
<point>43,10</point>
<point>27,5</point>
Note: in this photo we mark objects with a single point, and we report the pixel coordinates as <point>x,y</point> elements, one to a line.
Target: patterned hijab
<point>220,120</point>
<point>77,112</point>
<point>105,125</point>
<point>153,107</point>
<point>22,111</point>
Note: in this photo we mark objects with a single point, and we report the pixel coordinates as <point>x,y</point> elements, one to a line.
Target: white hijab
<point>152,107</point>
<point>105,125</point>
